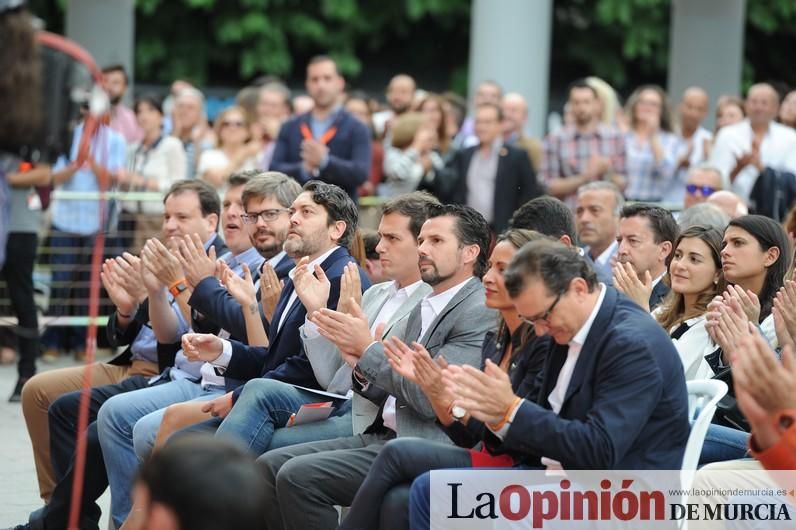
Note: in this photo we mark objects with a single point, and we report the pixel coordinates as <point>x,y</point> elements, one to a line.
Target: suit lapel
<point>429,340</point>
<point>273,326</point>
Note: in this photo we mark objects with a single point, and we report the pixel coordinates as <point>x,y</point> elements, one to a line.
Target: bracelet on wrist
<point>497,426</point>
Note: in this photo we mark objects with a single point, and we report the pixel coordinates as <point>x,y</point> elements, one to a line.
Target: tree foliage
<point>230,42</point>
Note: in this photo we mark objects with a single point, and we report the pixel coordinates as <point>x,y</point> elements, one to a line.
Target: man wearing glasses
<point>703,181</point>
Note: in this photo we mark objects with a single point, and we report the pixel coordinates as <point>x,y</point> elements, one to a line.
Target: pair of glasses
<point>266,215</point>
<point>704,190</point>
<point>233,124</point>
<point>544,316</point>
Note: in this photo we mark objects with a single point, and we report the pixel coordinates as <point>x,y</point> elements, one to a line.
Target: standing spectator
<point>189,125</point>
<point>17,271</point>
<point>328,143</point>
<point>650,146</point>
<point>488,91</point>
<point>609,111</point>
<point>410,158</point>
<point>597,221</point>
<point>236,151</point>
<point>694,139</point>
<point>74,225</point>
<point>491,177</point>
<point>787,112</point>
<point>455,109</point>
<point>434,109</point>
<point>273,109</point>
<point>584,152</point>
<point>357,105</point>
<point>515,114</point>
<point>177,86</point>
<point>729,111</point>
<point>154,164</point>
<point>744,150</point>
<point>400,95</point>
<point>114,81</point>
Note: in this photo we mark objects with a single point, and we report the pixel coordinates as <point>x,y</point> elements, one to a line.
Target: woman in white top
<point>237,150</point>
<point>696,277</point>
<point>410,157</point>
<point>153,164</point>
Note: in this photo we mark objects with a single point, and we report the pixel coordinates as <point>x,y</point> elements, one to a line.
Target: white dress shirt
<point>556,397</point>
<point>777,151</point>
<point>430,308</point>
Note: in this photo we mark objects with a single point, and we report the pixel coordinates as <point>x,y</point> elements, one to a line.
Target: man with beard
<point>327,143</point>
<point>322,223</point>
<point>400,95</point>
<point>585,152</point>
<point>306,481</point>
<point>114,81</point>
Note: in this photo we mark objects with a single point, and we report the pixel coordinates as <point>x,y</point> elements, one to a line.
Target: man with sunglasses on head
<point>703,181</point>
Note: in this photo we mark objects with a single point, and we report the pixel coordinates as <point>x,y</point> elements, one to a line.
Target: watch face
<point>458,412</point>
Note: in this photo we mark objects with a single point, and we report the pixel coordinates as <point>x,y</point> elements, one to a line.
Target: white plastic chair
<point>703,397</point>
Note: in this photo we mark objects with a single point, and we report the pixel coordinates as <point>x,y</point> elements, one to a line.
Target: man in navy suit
<point>327,143</point>
<point>613,394</point>
<point>646,240</point>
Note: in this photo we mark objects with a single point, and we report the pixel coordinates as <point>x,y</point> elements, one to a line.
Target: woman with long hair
<point>237,150</point>
<point>513,346</point>
<point>696,278</point>
<point>650,146</point>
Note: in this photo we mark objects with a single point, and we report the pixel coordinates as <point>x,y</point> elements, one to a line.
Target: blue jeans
<point>264,407</point>
<point>723,443</point>
<point>115,423</point>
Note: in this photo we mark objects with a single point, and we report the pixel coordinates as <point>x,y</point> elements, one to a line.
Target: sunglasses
<point>233,124</point>
<point>704,190</point>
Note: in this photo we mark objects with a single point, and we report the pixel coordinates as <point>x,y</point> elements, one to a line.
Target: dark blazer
<point>658,294</point>
<point>124,337</point>
<point>349,152</point>
<point>626,406</point>
<point>515,182</point>
<point>214,308</point>
<point>284,359</point>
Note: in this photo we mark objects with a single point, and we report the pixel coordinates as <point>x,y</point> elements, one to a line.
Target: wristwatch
<point>458,413</point>
<point>178,288</point>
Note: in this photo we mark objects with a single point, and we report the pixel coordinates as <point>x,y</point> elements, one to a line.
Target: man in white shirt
<point>694,139</point>
<point>306,481</point>
<point>742,151</point>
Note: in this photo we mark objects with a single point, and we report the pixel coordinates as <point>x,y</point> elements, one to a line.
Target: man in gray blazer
<point>306,481</point>
<point>387,303</point>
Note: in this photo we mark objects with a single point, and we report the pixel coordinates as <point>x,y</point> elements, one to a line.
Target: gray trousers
<point>306,481</point>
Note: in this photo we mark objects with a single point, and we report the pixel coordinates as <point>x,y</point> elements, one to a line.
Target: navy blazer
<point>626,406</point>
<point>218,309</point>
<point>515,182</point>
<point>284,359</point>
<point>658,294</point>
<point>349,152</point>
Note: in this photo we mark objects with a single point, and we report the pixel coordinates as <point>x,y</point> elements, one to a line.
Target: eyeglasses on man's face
<point>268,216</point>
<point>544,316</point>
<point>704,190</point>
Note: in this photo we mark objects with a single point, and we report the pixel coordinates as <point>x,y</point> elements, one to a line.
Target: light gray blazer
<point>457,333</point>
<point>333,373</point>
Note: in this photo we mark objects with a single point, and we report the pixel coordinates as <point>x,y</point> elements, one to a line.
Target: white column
<point>706,48</point>
<point>510,44</point>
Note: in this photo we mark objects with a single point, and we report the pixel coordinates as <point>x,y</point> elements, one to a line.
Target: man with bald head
<point>515,114</point>
<point>729,203</point>
<point>400,94</point>
<point>692,110</point>
<point>745,150</point>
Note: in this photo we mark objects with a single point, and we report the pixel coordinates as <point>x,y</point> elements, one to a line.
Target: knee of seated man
<point>260,387</point>
<point>294,474</point>
<point>35,392</point>
<point>65,406</point>
<point>111,411</point>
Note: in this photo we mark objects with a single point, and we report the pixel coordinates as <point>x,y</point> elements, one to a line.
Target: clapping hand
<point>627,281</point>
<point>487,396</point>
<point>312,289</point>
<point>270,290</point>
<point>350,288</point>
<point>195,262</point>
<point>161,262</point>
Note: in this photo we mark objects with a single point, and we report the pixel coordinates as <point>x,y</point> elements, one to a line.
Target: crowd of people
<point>525,303</point>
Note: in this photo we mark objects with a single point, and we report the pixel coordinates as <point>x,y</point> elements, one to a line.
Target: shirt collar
<point>603,258</point>
<point>405,292</point>
<point>210,242</point>
<point>317,261</point>
<point>583,332</point>
<point>439,301</point>
<point>658,279</point>
<point>273,261</point>
<point>249,256</point>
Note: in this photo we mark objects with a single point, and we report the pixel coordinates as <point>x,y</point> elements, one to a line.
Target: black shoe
<point>16,396</point>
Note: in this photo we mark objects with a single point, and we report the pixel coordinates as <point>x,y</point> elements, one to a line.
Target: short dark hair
<point>493,106</point>
<point>324,59</point>
<point>240,178</point>
<point>664,227</point>
<point>546,215</point>
<point>212,504</point>
<point>413,205</point>
<point>579,84</point>
<point>270,184</point>
<point>471,229</point>
<point>150,99</point>
<point>209,201</point>
<point>370,238</point>
<point>338,206</point>
<point>550,261</point>
<point>117,68</point>
<point>768,233</point>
